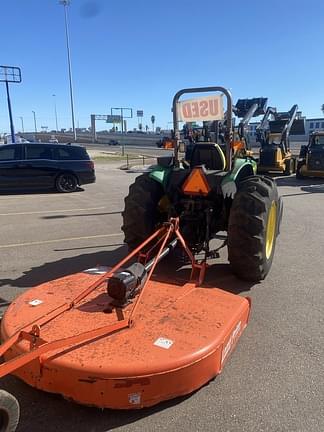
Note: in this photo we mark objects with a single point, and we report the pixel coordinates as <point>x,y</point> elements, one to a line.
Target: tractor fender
<point>160,174</point>
<point>242,168</point>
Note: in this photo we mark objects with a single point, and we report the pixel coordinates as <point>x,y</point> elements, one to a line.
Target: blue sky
<point>139,53</point>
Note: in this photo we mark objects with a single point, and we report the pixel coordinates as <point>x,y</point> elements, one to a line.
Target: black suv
<point>37,165</point>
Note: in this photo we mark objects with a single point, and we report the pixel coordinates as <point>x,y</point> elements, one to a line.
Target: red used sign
<point>207,108</point>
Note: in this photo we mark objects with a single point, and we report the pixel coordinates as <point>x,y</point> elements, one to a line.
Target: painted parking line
<point>52,211</point>
<point>59,240</point>
<point>29,196</point>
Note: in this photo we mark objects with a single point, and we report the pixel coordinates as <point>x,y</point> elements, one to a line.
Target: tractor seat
<point>210,155</point>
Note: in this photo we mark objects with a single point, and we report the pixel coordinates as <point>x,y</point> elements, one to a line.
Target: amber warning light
<point>196,183</point>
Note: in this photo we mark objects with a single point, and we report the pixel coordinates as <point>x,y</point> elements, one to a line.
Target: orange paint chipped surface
<point>181,337</point>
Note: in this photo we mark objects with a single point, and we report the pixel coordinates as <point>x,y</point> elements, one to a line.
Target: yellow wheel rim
<point>271,229</point>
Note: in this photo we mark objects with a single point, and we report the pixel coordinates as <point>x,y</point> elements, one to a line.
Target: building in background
<point>252,130</point>
<point>314,124</point>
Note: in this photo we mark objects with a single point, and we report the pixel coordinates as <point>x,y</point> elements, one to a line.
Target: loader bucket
<point>243,105</point>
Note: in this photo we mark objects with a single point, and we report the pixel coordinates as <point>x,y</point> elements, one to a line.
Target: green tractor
<point>213,192</point>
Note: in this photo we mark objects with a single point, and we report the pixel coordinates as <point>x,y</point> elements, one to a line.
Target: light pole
<point>54,96</point>
<point>66,3</point>
<point>35,126</point>
<point>10,74</point>
<point>22,123</point>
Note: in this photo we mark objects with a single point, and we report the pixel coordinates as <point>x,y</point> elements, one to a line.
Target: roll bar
<point>229,127</point>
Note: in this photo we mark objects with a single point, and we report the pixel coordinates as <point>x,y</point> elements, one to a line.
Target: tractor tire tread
<point>140,214</point>
<point>247,226</point>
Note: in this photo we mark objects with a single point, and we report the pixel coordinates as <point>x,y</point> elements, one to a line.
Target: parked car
<point>113,142</point>
<point>35,165</point>
<point>53,140</point>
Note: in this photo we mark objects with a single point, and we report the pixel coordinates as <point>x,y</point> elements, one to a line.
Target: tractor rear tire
<point>141,214</point>
<point>253,227</point>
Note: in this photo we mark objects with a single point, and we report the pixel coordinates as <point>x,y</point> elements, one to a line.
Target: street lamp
<point>66,3</point>
<point>54,96</point>
<point>35,126</point>
<point>22,123</point>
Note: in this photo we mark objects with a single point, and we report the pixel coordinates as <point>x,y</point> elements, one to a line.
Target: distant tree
<point>153,121</point>
<point>322,108</point>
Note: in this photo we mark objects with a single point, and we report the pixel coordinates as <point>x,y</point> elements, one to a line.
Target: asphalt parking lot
<point>274,380</point>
